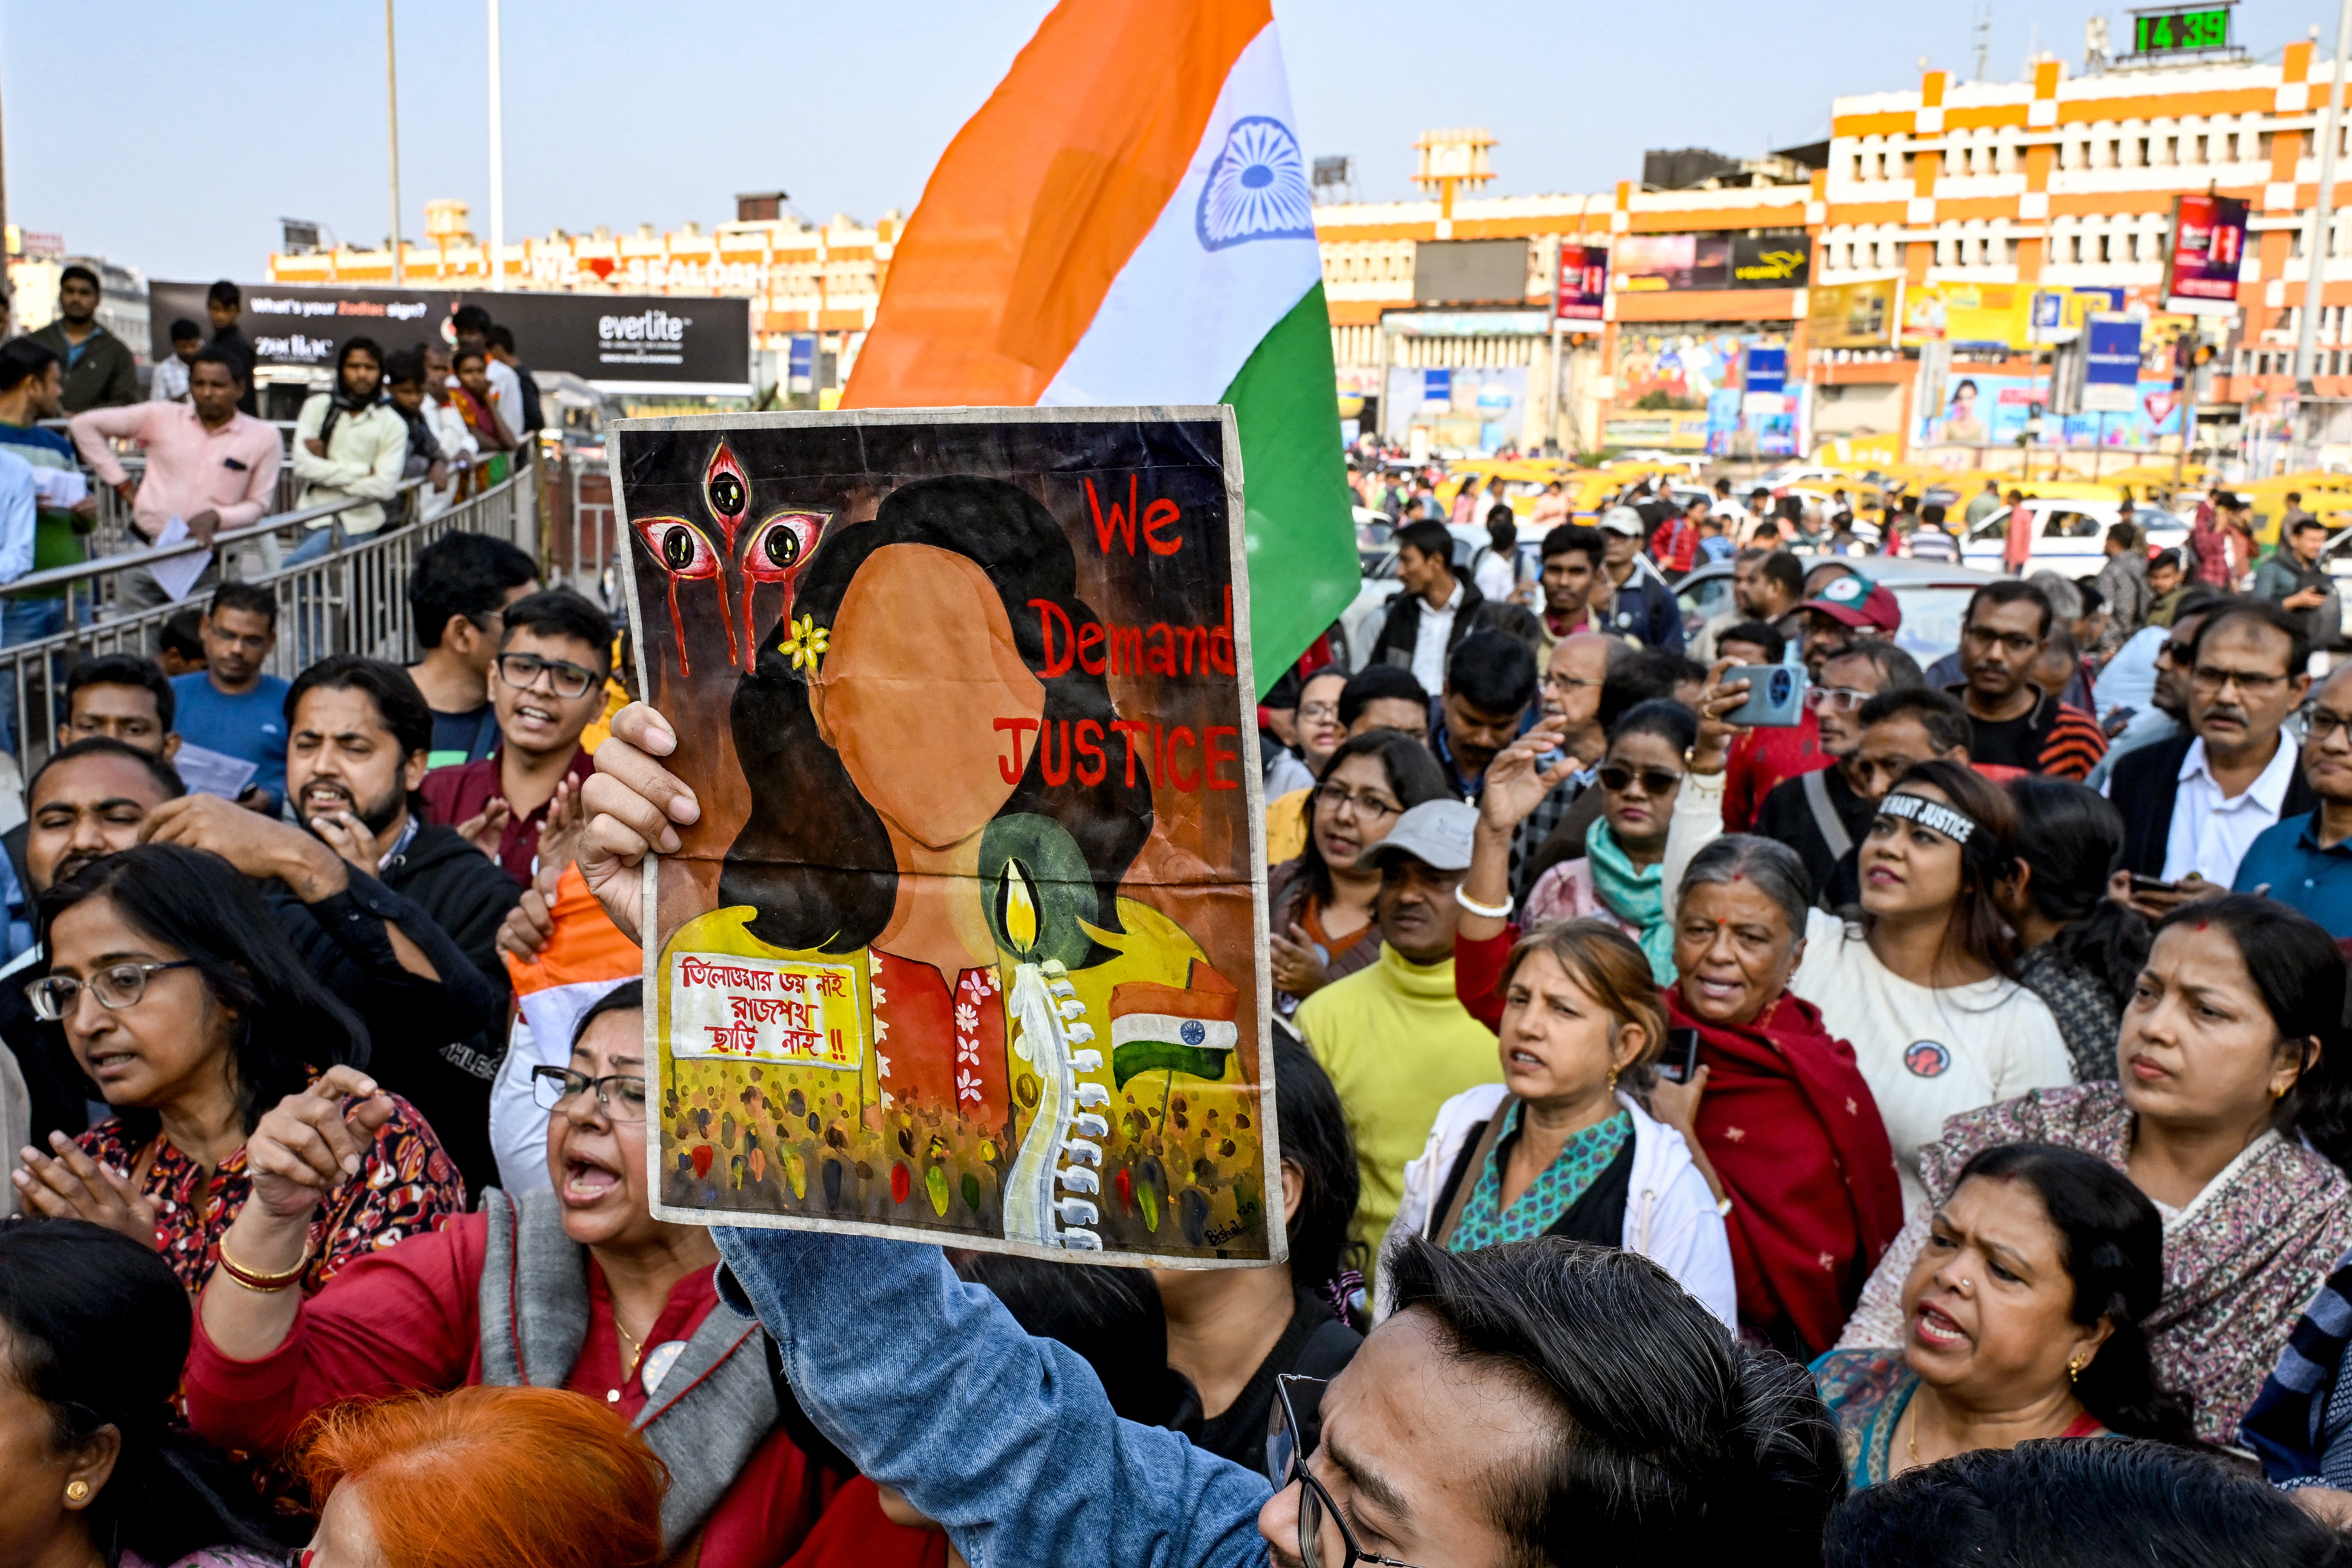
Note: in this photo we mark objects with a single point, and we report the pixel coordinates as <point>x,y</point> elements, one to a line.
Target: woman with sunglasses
<point>1617,880</point>
<point>192,1016</point>
<point>1321,924</point>
<point>580,1289</point>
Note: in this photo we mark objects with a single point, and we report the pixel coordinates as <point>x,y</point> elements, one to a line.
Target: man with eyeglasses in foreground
<point>2015,723</point>
<point>1823,811</point>
<point>2193,805</point>
<point>1536,1402</point>
<point>2305,861</point>
<point>548,686</point>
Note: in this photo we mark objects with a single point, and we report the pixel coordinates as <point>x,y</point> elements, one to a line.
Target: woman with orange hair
<point>529,1478</point>
<point>580,1289</point>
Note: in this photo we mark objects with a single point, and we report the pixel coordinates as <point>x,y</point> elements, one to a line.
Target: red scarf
<point>1795,1136</point>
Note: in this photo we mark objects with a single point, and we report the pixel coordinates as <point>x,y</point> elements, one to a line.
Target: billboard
<point>1584,283</point>
<point>1469,271</point>
<point>680,344</point>
<point>1992,411</point>
<point>1658,263</point>
<point>2110,369</point>
<point>1852,315</point>
<point>1994,313</point>
<point>966,948</point>
<point>2209,240</point>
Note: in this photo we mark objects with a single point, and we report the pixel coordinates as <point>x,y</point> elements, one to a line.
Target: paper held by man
<point>964,947</point>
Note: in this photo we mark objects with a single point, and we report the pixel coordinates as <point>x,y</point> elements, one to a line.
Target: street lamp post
<point>2316,250</point>
<point>498,164</point>
<point>392,105</point>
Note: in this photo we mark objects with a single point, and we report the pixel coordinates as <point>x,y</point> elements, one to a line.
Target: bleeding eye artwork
<point>965,945</point>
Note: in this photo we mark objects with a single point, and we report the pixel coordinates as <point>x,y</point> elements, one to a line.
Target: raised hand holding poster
<point>964,946</point>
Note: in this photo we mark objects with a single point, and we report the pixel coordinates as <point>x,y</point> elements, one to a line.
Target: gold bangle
<point>266,1284</point>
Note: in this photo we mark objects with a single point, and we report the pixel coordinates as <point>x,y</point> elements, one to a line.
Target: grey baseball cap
<point>1436,832</point>
<point>1622,520</point>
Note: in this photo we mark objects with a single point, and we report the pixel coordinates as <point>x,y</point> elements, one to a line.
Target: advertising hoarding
<point>678,344</point>
<point>2209,241</point>
<point>1852,315</point>
<point>1582,285</point>
<point>2111,373</point>
<point>1660,263</point>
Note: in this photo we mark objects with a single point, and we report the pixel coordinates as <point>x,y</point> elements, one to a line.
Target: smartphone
<point>1681,1059</point>
<point>2140,884</point>
<point>1776,694</point>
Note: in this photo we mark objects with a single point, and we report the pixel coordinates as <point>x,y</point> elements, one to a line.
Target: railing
<point>353,599</point>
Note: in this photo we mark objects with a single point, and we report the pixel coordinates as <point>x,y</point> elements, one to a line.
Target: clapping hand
<point>488,828</point>
<point>69,1185</point>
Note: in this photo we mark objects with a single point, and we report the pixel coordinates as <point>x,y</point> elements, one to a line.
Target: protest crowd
<point>1816,1140</point>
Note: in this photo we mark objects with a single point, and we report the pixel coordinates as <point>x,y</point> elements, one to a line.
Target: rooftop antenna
<point>1984,36</point>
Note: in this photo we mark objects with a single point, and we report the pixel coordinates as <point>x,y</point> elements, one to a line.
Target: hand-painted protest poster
<point>965,947</point>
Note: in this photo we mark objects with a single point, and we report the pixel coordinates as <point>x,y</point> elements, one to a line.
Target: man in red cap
<point>1848,610</point>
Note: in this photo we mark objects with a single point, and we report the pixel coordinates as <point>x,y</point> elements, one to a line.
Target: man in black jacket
<point>2192,804</point>
<point>358,730</point>
<point>1438,608</point>
<point>1642,605</point>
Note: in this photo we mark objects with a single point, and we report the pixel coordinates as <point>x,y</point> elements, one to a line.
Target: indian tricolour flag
<point>1128,220</point>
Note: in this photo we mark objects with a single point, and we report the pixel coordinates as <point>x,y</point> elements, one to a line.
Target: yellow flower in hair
<point>805,643</point>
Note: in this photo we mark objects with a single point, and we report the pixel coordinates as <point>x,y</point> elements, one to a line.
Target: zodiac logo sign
<point>775,551</point>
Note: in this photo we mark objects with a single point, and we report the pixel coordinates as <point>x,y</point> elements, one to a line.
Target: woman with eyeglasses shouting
<point>1924,986</point>
<point>1320,921</point>
<point>192,1016</point>
<point>579,1289</point>
<point>1617,880</point>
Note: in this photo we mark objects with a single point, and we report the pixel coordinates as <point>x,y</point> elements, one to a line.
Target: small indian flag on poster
<point>1190,1028</point>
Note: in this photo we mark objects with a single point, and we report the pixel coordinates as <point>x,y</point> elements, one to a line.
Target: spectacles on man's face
<point>2015,644</point>
<point>1836,699</point>
<point>1288,1442</point>
<point>2180,654</point>
<point>1562,682</point>
<point>522,670</point>
<point>117,986</point>
<point>621,1095</point>
<point>2209,679</point>
<point>2320,725</point>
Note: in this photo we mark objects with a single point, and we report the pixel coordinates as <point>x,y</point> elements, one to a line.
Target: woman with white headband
<point>1923,987</point>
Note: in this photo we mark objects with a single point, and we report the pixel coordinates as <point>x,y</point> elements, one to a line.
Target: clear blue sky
<point>173,136</point>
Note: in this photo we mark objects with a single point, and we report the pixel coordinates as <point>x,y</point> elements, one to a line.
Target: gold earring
<point>1612,1080</point>
<point>77,1491</point>
<point>2074,1367</point>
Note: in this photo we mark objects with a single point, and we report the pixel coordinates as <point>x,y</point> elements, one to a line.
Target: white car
<point>2069,536</point>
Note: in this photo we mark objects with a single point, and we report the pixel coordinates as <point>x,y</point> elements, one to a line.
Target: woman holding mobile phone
<point>1924,986</point>
<point>1619,878</point>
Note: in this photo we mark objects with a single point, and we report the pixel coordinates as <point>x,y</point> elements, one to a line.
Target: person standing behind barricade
<point>548,684</point>
<point>500,343</point>
<point>101,371</point>
<point>504,394</point>
<point>209,466</point>
<point>232,713</point>
<point>31,387</point>
<point>223,303</point>
<point>349,443</point>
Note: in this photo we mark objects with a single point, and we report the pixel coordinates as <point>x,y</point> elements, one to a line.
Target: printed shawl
<point>2239,1262</point>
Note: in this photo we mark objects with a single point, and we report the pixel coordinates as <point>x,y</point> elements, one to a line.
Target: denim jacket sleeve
<point>929,1386</point>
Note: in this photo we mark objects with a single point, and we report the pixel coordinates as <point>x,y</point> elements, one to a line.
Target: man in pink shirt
<point>207,464</point>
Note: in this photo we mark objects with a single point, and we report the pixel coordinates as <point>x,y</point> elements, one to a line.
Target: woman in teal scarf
<point>1620,878</point>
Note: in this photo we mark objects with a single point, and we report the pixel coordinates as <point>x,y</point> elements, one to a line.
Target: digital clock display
<point>2181,32</point>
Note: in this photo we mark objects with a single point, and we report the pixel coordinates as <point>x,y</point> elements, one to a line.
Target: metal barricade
<point>353,599</point>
